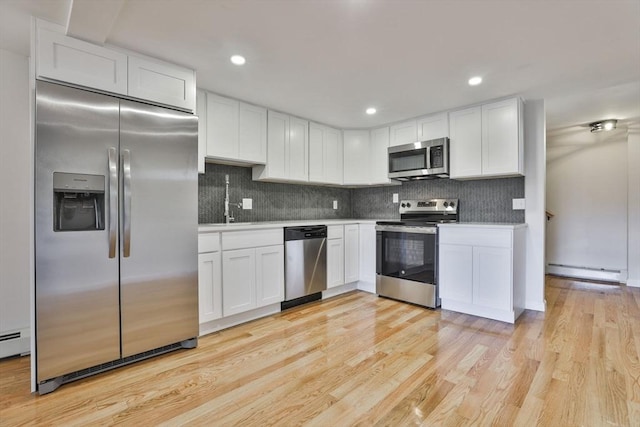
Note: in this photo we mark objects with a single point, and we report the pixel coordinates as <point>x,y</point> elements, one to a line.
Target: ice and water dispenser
<point>78,202</point>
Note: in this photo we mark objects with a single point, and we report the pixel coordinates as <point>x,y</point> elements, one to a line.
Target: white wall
<point>534,214</point>
<point>15,199</point>
<point>587,192</point>
<point>633,162</point>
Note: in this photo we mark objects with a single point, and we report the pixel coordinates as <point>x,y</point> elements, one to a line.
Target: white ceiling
<point>327,60</point>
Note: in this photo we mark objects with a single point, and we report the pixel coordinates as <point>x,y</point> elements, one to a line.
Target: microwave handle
<point>428,165</point>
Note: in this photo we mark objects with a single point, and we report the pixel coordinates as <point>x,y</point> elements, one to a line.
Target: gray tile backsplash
<point>486,200</point>
<point>271,201</point>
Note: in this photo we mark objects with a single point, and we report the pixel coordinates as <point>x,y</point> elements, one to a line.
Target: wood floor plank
<point>360,360</point>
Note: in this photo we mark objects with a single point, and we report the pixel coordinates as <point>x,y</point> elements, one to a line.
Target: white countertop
<point>484,225</point>
<point>237,226</point>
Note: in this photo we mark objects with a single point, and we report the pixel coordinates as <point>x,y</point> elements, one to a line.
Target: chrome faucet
<point>228,216</point>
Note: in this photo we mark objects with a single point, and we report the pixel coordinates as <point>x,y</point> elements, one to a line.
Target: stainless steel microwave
<point>420,160</point>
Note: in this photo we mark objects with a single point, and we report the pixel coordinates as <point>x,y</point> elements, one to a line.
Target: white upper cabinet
<point>297,152</point>
<point>162,82</point>
<point>465,147</point>
<point>486,141</point>
<point>236,132</point>
<point>403,133</point>
<point>222,127</point>
<point>287,149</point>
<point>325,154</point>
<point>433,127</point>
<point>252,133</point>
<point>379,156</point>
<point>356,157</point>
<point>502,141</point>
<point>66,59</point>
<point>75,61</point>
<point>201,112</point>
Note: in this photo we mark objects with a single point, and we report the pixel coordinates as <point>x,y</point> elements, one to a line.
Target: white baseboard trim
<point>237,319</point>
<point>536,305</point>
<point>634,283</point>
<point>342,289</point>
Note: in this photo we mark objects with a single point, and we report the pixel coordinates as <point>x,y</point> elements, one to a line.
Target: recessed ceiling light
<point>603,125</point>
<point>238,59</point>
<point>371,110</point>
<point>475,81</point>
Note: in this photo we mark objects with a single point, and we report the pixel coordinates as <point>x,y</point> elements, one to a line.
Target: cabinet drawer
<point>252,239</point>
<point>490,237</point>
<point>209,242</point>
<point>335,232</point>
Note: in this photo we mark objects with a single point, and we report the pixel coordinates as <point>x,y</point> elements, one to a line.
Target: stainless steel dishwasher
<point>305,265</point>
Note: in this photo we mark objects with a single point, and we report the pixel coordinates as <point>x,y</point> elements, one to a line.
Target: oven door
<point>408,253</point>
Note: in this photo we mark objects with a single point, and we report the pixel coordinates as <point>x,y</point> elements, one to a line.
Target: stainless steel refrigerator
<point>116,199</point>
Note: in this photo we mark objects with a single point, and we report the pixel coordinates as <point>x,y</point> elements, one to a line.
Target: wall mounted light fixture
<point>603,125</point>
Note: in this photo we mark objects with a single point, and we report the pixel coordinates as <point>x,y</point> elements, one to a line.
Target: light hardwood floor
<point>362,360</point>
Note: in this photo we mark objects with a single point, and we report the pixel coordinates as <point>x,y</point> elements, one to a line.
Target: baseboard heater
<point>52,384</point>
<point>582,272</point>
<point>14,343</point>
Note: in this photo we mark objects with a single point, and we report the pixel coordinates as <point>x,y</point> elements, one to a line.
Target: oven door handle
<point>405,229</point>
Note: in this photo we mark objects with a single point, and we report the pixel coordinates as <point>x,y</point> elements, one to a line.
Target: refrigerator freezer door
<point>76,291</point>
<point>159,221</point>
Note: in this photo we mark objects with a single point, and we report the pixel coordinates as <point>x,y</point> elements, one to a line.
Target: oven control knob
<point>403,205</point>
<point>408,205</point>
<point>452,204</point>
<point>446,204</point>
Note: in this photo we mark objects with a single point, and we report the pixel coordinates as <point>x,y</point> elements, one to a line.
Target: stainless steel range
<point>407,251</point>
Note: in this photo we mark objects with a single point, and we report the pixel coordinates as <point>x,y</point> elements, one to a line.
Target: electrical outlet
<point>518,204</point>
<point>396,198</point>
<point>247,203</point>
<point>335,204</point>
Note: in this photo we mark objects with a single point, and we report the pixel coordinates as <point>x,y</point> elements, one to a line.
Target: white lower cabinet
<point>335,256</point>
<point>252,270</point>
<point>367,257</point>
<point>351,253</point>
<point>269,275</point>
<point>238,281</point>
<point>209,277</point>
<point>482,270</point>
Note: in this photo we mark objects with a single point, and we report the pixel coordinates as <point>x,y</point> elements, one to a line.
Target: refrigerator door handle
<point>113,201</point>
<point>126,171</point>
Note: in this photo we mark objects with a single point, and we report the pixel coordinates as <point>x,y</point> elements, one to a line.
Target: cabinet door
<point>403,133</point>
<point>297,154</point>
<point>335,263</point>
<point>210,286</point>
<point>162,82</point>
<point>351,253</point>
<point>252,134</point>
<point>379,156</point>
<point>456,272</point>
<point>492,273</point>
<point>201,112</point>
<point>356,156</point>
<point>269,275</point>
<point>222,127</point>
<point>238,281</point>
<point>332,156</point>
<point>367,234</point>
<point>433,127</point>
<point>75,61</point>
<point>277,140</point>
<point>501,138</point>
<point>316,153</point>
<point>465,130</point>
